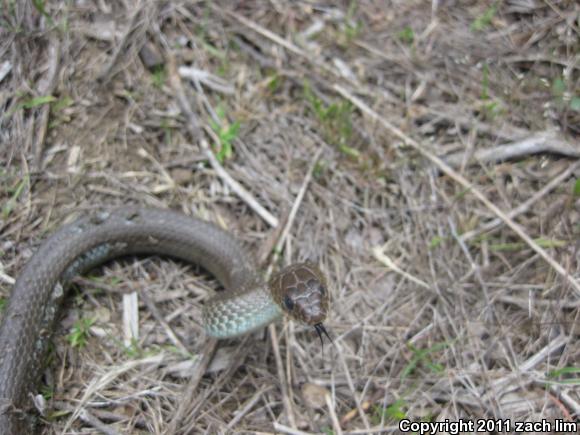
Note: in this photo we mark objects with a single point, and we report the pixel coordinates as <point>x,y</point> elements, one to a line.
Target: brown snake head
<point>300,290</point>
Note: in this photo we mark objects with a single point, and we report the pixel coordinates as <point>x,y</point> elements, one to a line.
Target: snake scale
<point>246,304</point>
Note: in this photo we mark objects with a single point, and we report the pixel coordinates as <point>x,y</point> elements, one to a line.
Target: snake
<point>246,303</point>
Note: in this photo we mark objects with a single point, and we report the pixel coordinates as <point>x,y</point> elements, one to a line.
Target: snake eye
<point>288,302</point>
<point>322,290</point>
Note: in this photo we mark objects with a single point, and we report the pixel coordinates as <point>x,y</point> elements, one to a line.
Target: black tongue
<point>321,329</point>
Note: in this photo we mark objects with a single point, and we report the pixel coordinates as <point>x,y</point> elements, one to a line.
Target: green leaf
<point>567,373</point>
<point>220,112</point>
<point>422,356</point>
<point>214,51</point>
<point>576,188</point>
<point>39,5</point>
<point>319,168</point>
<point>225,152</point>
<point>484,20</point>
<point>47,392</point>
<point>214,126</point>
<point>518,246</point>
<point>274,83</point>
<point>63,103</point>
<point>563,371</point>
<point>159,77</point>
<point>349,151</point>
<point>395,410</point>
<point>80,332</point>
<point>53,416</point>
<point>435,367</point>
<point>567,382</point>
<point>9,205</point>
<point>575,104</point>
<point>226,134</point>
<point>406,35</point>
<point>133,350</point>
<point>435,241</point>
<point>558,87</point>
<point>232,131</point>
<point>335,120</point>
<point>38,101</point>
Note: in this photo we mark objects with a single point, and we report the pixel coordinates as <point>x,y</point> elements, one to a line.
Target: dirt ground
<point>424,154</point>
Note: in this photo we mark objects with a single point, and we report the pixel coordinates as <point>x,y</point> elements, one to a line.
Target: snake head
<point>300,290</point>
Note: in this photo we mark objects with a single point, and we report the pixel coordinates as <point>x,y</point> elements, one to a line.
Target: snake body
<point>246,304</point>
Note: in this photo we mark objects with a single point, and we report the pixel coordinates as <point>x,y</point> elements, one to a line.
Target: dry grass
<point>437,314</point>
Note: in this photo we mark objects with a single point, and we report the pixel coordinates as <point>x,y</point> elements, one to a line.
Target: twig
<point>539,143</point>
<point>455,115</point>
<point>539,57</point>
<point>89,418</point>
<point>4,277</point>
<point>248,406</point>
<point>297,202</point>
<point>543,353</point>
<point>366,405</point>
<point>5,68</point>
<point>173,337</point>
<point>99,285</point>
<point>335,423</point>
<point>280,41</point>
<point>211,81</point>
<point>192,407</point>
<point>52,75</point>
<point>191,388</point>
<point>450,172</point>
<point>270,242</point>
<point>263,31</point>
<point>103,414</point>
<point>137,26</point>
<point>237,187</point>
<point>207,104</point>
<point>505,382</point>
<point>379,254</point>
<point>355,396</point>
<point>525,303</point>
<point>192,122</point>
<point>142,152</point>
<point>525,206</point>
<point>571,403</point>
<point>474,266</point>
<point>130,318</point>
<point>288,430</point>
<point>289,410</point>
<point>560,405</point>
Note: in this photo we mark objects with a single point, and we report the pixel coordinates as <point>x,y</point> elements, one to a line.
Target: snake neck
<point>240,312</point>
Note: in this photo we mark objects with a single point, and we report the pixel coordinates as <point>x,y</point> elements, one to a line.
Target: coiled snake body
<point>246,304</point>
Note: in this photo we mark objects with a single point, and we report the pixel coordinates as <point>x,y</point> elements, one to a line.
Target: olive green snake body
<point>246,304</point>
